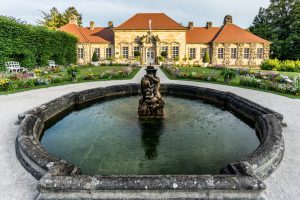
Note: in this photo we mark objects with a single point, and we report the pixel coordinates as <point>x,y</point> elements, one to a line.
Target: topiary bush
<point>206,58</point>
<point>164,54</point>
<point>95,57</point>
<point>136,53</point>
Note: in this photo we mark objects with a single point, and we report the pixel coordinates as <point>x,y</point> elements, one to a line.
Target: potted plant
<point>164,54</point>
<point>95,59</point>
<point>161,59</point>
<point>206,59</point>
<point>184,59</point>
<point>137,57</point>
<point>176,59</point>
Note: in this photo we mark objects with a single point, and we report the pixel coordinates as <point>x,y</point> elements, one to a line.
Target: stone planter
<point>95,63</point>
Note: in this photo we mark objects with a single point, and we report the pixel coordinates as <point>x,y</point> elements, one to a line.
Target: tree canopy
<point>54,19</point>
<point>280,24</point>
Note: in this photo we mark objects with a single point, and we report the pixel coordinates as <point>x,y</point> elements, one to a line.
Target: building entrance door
<point>150,55</point>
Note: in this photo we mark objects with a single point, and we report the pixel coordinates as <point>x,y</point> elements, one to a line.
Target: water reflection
<point>151,130</point>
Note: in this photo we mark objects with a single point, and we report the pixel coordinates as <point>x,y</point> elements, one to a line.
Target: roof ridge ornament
<point>228,19</point>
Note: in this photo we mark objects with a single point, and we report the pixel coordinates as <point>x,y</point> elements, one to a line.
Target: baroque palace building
<point>152,33</point>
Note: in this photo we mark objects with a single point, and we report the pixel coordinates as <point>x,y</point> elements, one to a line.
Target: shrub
<point>287,66</point>
<point>164,54</point>
<point>161,58</point>
<point>126,71</point>
<point>4,84</point>
<point>250,81</point>
<point>206,58</point>
<point>90,76</point>
<point>38,71</point>
<point>95,57</point>
<point>243,71</point>
<point>41,81</point>
<point>176,58</point>
<point>73,72</point>
<point>270,64</point>
<point>137,53</point>
<point>228,74</point>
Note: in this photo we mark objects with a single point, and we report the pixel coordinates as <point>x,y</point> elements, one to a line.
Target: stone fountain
<point>151,104</point>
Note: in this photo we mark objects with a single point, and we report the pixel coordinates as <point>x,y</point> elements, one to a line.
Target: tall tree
<point>275,23</point>
<point>54,19</point>
<point>69,12</point>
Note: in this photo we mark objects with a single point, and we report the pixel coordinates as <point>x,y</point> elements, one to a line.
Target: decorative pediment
<point>147,39</point>
<point>175,43</point>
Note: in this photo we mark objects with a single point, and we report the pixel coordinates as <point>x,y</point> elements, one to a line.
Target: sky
<point>102,11</point>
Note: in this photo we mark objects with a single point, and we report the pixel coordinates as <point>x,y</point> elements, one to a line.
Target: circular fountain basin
<point>109,139</point>
<point>136,163</point>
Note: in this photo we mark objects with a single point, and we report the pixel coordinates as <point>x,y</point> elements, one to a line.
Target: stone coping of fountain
<point>62,180</point>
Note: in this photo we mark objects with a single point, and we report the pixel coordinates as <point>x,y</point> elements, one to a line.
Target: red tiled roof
<point>159,21</point>
<point>233,33</point>
<point>86,35</point>
<point>201,35</point>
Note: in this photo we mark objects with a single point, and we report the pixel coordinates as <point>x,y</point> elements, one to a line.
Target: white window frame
<point>221,53</point>
<point>203,50</point>
<point>192,53</point>
<point>175,52</point>
<point>233,53</point>
<point>136,48</point>
<point>259,53</point>
<point>97,50</point>
<point>246,53</point>
<point>164,48</point>
<point>80,53</point>
<point>108,52</point>
<point>125,52</point>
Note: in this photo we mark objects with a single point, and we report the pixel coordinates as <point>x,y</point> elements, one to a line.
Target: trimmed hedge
<point>34,45</point>
<point>285,65</point>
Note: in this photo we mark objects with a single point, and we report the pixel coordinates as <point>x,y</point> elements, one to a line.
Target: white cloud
<point>101,11</point>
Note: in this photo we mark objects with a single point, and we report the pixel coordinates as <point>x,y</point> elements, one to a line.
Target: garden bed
<point>284,83</point>
<point>47,77</point>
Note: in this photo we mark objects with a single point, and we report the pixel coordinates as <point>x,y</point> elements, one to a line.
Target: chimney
<point>208,25</point>
<point>191,25</point>
<point>92,25</point>
<point>228,19</point>
<point>110,24</point>
<point>73,20</point>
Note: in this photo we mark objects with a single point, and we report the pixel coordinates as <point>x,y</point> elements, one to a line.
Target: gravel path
<point>17,184</point>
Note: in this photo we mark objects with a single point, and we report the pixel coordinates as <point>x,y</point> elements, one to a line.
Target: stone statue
<point>151,104</point>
